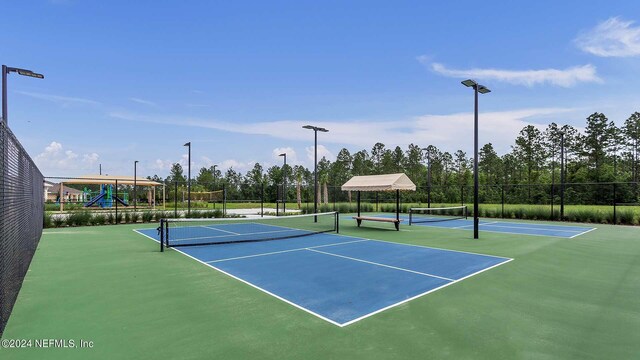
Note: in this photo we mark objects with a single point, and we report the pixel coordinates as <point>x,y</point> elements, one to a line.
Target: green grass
<point>559,299</point>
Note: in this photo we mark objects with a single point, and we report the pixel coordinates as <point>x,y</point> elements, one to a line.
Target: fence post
<point>334,197</point>
<point>175,200</point>
<point>261,199</point>
<point>614,204</point>
<point>114,199</point>
<point>502,200</point>
<point>462,195</point>
<point>224,200</point>
<point>552,217</point>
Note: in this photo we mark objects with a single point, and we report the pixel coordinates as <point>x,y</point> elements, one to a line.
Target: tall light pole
<point>315,165</point>
<point>214,174</point>
<point>477,88</point>
<point>135,194</point>
<point>284,186</point>
<point>562,176</point>
<point>428,176</point>
<point>5,71</point>
<point>189,180</point>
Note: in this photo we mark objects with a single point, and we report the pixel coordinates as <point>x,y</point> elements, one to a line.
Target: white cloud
<point>55,160</point>
<point>611,38</point>
<point>566,78</point>
<point>292,157</point>
<point>143,102</point>
<point>60,100</point>
<point>238,166</point>
<point>160,164</point>
<point>448,132</point>
<point>322,152</point>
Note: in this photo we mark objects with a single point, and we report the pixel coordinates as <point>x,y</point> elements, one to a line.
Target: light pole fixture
<point>5,71</point>
<point>428,176</point>
<point>135,178</point>
<point>189,180</point>
<point>284,186</point>
<point>477,88</point>
<point>315,165</point>
<point>214,174</point>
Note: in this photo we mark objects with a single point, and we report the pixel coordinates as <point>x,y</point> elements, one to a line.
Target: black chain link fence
<point>21,214</point>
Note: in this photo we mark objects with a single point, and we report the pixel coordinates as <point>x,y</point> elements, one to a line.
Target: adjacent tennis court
<point>456,218</point>
<point>341,279</point>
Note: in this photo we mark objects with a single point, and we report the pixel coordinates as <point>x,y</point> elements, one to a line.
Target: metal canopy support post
<point>398,206</point>
<point>358,197</point>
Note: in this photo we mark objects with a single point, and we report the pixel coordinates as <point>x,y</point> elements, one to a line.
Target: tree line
<point>604,152</point>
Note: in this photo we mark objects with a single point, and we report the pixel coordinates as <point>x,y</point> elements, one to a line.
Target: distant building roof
<point>67,190</point>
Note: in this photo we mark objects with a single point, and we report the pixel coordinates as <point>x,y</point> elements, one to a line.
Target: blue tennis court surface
<point>508,227</point>
<point>340,279</point>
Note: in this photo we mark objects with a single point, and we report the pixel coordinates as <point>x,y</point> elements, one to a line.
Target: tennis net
<point>422,215</point>
<point>193,232</point>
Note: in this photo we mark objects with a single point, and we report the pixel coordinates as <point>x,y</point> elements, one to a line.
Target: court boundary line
<point>341,325</point>
<point>584,232</point>
<point>499,232</point>
<point>423,294</point>
<point>429,224</point>
<point>250,284</point>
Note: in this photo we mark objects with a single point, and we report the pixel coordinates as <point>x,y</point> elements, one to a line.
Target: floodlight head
<point>315,128</point>
<point>425,149</point>
<point>283,154</point>
<point>469,83</point>
<point>25,72</point>
<point>187,144</point>
<point>483,89</point>
<point>135,162</point>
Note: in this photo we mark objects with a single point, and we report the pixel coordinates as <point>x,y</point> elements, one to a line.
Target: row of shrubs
<point>88,218</point>
<point>585,214</point>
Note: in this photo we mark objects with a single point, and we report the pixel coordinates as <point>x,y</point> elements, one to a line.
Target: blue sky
<point>136,80</point>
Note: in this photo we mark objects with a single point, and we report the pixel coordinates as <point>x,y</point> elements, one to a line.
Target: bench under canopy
<point>386,182</point>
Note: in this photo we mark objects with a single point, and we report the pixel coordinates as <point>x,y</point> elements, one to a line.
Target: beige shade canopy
<point>386,182</point>
<point>110,179</point>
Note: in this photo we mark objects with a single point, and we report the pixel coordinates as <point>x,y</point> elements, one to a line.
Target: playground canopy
<point>386,182</point>
<point>110,180</point>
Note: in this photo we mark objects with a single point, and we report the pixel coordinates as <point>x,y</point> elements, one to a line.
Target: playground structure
<point>108,196</point>
<point>105,197</point>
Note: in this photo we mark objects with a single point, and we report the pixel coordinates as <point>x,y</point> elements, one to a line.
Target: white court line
<point>464,226</point>
<point>495,231</point>
<point>216,229</point>
<point>541,228</point>
<point>250,284</point>
<point>284,251</point>
<point>235,234</point>
<point>364,316</point>
<point>582,233</point>
<point>383,265</point>
<point>420,295</point>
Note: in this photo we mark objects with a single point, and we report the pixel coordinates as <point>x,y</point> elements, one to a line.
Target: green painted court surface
<point>559,299</point>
